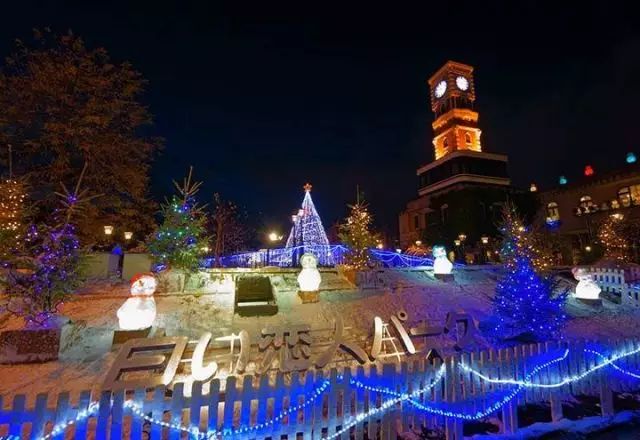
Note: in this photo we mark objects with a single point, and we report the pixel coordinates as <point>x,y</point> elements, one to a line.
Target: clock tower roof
<point>450,67</point>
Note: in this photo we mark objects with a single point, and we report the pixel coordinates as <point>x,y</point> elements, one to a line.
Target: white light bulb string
<point>397,398</point>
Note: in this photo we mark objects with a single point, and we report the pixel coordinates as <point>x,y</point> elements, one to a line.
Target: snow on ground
<point>86,352</point>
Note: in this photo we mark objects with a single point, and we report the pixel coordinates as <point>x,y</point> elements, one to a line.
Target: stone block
<point>29,345</point>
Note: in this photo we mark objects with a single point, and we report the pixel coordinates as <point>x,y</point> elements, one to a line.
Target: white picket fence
<point>253,401</point>
<point>625,283</point>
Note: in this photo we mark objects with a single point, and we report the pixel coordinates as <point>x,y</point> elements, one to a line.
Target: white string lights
<point>443,409</point>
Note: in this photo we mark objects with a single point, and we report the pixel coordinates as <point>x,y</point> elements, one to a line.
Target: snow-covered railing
<point>622,282</point>
<point>379,401</point>
<point>327,256</point>
<point>609,280</point>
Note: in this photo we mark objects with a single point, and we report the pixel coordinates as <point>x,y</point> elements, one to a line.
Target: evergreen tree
<point>519,239</point>
<point>181,240</point>
<point>613,238</point>
<point>46,268</point>
<point>525,304</point>
<point>356,234</point>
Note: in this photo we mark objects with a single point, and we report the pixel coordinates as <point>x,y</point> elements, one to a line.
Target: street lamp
<point>273,237</point>
<point>485,241</point>
<point>418,243</point>
<point>128,235</point>
<point>456,242</point>
<point>108,230</point>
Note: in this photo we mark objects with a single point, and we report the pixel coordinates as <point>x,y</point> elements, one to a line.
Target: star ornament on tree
<point>307,187</point>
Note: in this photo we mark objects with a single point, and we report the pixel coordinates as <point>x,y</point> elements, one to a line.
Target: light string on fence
<point>397,398</point>
<point>567,380</point>
<point>620,369</point>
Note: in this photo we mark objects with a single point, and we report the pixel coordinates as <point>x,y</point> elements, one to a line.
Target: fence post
<point>453,426</point>
<point>510,410</point>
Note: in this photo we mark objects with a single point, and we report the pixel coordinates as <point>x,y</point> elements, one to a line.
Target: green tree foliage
<point>181,240</point>
<point>64,105</point>
<point>356,234</point>
<point>228,225</point>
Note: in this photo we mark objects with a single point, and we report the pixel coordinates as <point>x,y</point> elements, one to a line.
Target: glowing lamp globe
<point>441,264</point>
<point>309,277</point>
<point>587,287</point>
<point>139,311</point>
<point>588,171</point>
<point>631,158</point>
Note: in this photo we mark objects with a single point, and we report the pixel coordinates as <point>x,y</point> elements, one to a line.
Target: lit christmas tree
<point>524,303</point>
<point>611,235</point>
<point>356,234</point>
<point>11,204</point>
<point>307,229</point>
<point>181,240</point>
<point>518,240</point>
<point>47,267</point>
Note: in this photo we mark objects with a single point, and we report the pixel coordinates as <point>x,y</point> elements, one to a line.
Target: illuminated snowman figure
<point>309,276</point>
<point>139,311</point>
<point>586,288</point>
<point>441,264</point>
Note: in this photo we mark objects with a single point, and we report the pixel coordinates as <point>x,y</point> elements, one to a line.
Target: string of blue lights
<point>445,409</point>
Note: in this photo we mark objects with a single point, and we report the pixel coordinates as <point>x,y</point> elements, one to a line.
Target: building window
<point>467,138</point>
<point>586,202</point>
<point>416,222</point>
<point>553,213</point>
<point>635,194</point>
<point>624,196</point>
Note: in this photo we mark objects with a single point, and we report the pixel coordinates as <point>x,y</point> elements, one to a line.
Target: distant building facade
<point>575,210</point>
<point>462,191</point>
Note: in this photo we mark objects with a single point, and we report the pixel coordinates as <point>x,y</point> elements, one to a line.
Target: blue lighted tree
<point>525,304</point>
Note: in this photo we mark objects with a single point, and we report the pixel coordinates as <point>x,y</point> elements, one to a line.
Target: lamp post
<point>128,235</point>
<point>274,238</point>
<point>485,241</point>
<point>462,237</point>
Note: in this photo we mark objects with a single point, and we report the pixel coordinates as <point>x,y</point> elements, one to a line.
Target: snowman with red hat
<point>139,311</point>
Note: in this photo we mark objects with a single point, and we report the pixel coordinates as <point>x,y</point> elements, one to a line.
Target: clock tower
<point>461,173</point>
<point>452,99</point>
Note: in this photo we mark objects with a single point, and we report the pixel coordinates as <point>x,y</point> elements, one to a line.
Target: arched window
<point>625,196</point>
<point>553,213</point>
<point>585,201</point>
<point>445,144</point>
<point>467,138</point>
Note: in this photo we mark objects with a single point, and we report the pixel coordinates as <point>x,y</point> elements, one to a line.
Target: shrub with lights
<point>525,305</point>
<point>180,242</point>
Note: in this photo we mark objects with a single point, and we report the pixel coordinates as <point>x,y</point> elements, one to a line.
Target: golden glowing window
<point>635,194</point>
<point>553,213</point>
<point>586,202</point>
<point>467,138</point>
<point>625,196</point>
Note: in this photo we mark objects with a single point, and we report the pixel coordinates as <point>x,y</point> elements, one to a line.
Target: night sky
<point>262,97</point>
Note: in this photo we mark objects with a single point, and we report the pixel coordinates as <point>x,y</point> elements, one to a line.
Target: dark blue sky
<point>261,97</point>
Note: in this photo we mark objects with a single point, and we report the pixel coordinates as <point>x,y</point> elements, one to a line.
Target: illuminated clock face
<point>462,83</point>
<point>441,87</point>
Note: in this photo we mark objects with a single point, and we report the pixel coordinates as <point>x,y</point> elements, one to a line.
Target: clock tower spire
<point>452,97</point>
